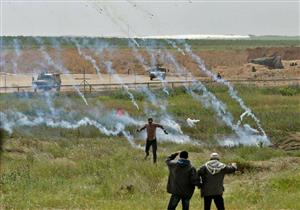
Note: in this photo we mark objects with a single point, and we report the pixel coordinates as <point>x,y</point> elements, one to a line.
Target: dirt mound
<point>292,142</point>
<point>271,62</point>
<point>290,53</point>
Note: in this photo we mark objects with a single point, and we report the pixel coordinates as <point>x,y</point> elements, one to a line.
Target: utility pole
<point>84,81</point>
<point>135,76</point>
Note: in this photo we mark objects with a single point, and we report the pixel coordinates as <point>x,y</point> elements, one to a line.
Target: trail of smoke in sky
<point>59,67</point>
<point>112,72</point>
<point>208,99</point>
<point>135,5</point>
<point>154,64</point>
<point>58,51</point>
<point>167,119</point>
<point>121,126</point>
<point>85,56</point>
<point>117,20</point>
<point>2,55</point>
<point>232,92</point>
<point>17,50</point>
<point>102,8</point>
<point>174,45</point>
<point>150,95</point>
<point>142,61</point>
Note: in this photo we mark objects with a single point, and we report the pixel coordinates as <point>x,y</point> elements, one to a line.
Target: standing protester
<point>212,174</point>
<point>182,180</point>
<point>151,137</point>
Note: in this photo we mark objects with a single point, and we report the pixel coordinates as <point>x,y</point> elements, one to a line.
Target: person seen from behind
<point>182,180</point>
<point>212,175</point>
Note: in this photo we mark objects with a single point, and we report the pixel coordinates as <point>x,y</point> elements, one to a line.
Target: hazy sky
<point>144,18</point>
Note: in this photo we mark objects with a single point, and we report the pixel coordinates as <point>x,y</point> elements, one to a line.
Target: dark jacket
<point>182,177</point>
<point>212,174</point>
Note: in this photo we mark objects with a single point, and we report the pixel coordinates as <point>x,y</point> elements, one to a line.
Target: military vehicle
<point>46,81</point>
<point>158,72</point>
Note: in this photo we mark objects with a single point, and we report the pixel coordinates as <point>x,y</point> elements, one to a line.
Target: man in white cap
<point>212,174</point>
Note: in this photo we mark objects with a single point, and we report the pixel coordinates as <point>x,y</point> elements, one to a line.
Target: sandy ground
<point>94,82</point>
<point>15,80</point>
<point>262,73</point>
<point>24,81</point>
<point>232,64</point>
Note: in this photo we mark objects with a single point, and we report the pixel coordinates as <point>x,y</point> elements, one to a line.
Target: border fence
<point>89,88</point>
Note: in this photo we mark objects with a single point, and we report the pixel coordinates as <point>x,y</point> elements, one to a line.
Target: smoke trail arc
<point>111,71</point>
<point>245,134</point>
<point>59,67</point>
<point>232,92</point>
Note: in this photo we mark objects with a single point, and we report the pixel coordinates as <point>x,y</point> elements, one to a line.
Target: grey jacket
<point>182,177</point>
<point>212,174</point>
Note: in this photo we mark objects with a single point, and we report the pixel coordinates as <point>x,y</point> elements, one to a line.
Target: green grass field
<point>45,168</point>
<point>202,44</point>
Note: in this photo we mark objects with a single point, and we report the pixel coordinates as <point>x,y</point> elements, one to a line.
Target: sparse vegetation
<point>106,173</point>
<point>202,44</point>
<point>289,91</point>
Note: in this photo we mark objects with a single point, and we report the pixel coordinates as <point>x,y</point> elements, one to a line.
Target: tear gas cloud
<point>108,122</point>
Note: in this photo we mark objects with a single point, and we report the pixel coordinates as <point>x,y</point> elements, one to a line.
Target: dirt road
<point>13,81</point>
<point>94,82</point>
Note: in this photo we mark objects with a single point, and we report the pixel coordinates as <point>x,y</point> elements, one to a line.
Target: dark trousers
<point>174,200</point>
<point>152,143</point>
<point>218,199</point>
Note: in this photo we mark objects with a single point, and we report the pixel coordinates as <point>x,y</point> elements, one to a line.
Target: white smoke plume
<point>166,118</point>
<point>208,99</point>
<point>108,10</point>
<point>145,65</point>
<point>232,92</point>
<point>59,67</point>
<point>86,57</point>
<point>2,55</point>
<point>112,72</point>
<point>17,50</point>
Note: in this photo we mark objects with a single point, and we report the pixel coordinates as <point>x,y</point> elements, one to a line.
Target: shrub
<point>289,91</point>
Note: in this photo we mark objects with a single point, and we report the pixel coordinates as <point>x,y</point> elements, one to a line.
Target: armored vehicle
<point>158,72</point>
<point>46,81</point>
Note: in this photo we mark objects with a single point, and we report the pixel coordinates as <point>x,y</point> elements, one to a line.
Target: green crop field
<point>48,168</point>
<point>201,44</point>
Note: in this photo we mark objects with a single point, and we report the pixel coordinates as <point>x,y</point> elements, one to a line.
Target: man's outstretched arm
<point>142,128</point>
<point>230,168</point>
<point>162,127</point>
